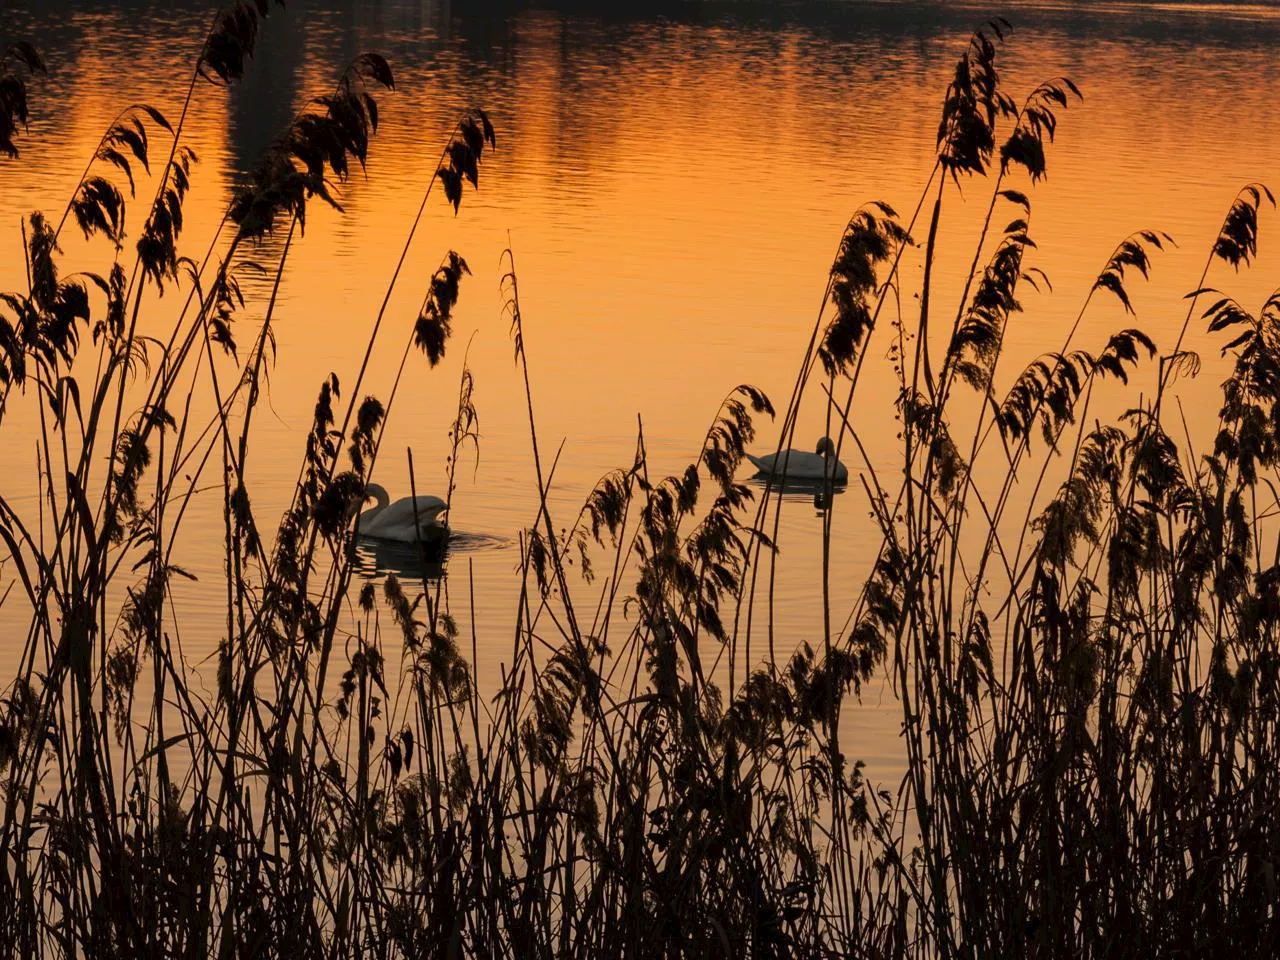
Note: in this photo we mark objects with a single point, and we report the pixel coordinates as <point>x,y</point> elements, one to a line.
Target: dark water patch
<point>376,557</point>
<point>814,492</point>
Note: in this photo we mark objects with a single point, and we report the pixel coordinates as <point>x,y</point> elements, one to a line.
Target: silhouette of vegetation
<point>1088,671</point>
<point>18,65</point>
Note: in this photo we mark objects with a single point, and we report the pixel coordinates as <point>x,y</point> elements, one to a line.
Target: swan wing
<point>806,466</point>
<point>404,511</point>
<point>792,461</point>
<point>794,464</point>
<point>396,522</point>
<point>799,465</point>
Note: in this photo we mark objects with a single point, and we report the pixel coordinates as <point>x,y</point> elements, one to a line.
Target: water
<point>673,179</point>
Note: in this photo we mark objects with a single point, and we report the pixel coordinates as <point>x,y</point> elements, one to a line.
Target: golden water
<point>673,186</point>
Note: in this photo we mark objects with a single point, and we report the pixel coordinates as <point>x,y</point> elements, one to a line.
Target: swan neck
<point>379,494</point>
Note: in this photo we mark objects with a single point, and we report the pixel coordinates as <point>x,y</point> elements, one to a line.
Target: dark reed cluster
<point>18,65</point>
<point>1078,618</point>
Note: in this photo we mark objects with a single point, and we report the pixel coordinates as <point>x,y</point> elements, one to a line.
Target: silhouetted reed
<point>18,64</point>
<point>1088,678</point>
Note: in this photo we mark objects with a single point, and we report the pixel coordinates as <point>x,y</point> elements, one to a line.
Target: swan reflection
<point>408,561</point>
<point>377,557</point>
<point>819,494</point>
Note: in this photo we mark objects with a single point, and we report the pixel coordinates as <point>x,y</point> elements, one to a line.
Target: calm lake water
<point>673,178</point>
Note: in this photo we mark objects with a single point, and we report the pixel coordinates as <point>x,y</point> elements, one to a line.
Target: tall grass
<point>1087,674</point>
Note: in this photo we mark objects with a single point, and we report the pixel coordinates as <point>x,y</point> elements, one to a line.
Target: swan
<point>402,521</point>
<point>800,465</point>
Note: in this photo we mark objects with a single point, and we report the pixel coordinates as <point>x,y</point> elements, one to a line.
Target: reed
<point>1087,672</point>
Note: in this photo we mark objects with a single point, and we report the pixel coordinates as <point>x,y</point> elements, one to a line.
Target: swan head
<point>430,508</point>
<point>826,447</point>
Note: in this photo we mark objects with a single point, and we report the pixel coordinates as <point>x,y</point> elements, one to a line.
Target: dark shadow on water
<point>409,561</point>
<point>815,492</point>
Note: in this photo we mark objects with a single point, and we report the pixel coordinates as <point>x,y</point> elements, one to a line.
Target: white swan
<point>402,521</point>
<point>802,466</point>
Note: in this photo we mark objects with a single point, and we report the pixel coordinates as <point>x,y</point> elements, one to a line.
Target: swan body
<point>802,466</point>
<point>408,520</point>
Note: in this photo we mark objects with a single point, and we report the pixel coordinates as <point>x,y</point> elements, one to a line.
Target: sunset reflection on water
<point>674,187</point>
